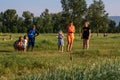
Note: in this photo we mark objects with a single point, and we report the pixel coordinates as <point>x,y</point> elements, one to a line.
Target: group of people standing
<point>29,39</point>
<point>86,33</point>
<point>23,44</point>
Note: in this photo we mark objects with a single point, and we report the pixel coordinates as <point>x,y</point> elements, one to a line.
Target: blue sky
<point>38,6</point>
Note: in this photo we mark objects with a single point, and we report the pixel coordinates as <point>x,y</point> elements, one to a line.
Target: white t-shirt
<point>25,43</point>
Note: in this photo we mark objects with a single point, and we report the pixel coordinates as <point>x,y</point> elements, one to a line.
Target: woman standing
<point>70,36</point>
<point>86,33</point>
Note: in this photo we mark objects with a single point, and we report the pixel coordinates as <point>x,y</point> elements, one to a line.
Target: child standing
<point>25,43</point>
<point>60,41</point>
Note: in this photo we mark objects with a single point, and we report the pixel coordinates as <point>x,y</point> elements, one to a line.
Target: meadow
<point>100,62</point>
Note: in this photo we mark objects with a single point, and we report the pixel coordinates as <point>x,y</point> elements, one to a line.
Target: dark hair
<point>20,38</point>
<point>71,21</point>
<point>25,36</point>
<point>33,26</point>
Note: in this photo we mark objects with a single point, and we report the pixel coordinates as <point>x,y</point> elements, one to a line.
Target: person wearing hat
<point>60,40</point>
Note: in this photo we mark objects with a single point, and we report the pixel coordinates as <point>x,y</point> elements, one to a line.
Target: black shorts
<point>85,37</point>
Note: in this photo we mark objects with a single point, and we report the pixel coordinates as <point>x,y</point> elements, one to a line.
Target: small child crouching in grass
<point>18,44</point>
<point>21,44</point>
<point>60,41</point>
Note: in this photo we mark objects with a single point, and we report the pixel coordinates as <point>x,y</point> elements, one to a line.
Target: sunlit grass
<point>100,62</point>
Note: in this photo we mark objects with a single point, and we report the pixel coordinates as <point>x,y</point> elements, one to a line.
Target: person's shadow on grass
<point>6,51</point>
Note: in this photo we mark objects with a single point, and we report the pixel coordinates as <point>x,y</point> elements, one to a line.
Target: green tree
<point>57,22</point>
<point>38,21</point>
<point>118,28</point>
<point>14,29</point>
<point>20,24</point>
<point>10,19</point>
<point>98,17</point>
<point>1,16</point>
<point>47,26</point>
<point>73,10</point>
<point>119,24</point>
<point>1,21</point>
<point>1,26</point>
<point>28,18</point>
<point>112,26</point>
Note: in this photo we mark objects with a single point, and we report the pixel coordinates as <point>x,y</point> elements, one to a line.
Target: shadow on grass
<point>79,53</point>
<point>6,51</point>
<point>95,53</point>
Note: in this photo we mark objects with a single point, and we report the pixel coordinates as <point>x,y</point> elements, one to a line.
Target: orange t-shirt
<point>70,28</point>
<point>70,32</point>
<point>20,44</point>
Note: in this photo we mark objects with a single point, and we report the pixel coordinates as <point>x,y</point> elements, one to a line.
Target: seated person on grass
<point>18,45</point>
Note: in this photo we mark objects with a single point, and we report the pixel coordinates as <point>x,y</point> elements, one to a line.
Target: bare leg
<point>68,45</point>
<point>83,43</point>
<point>71,45</point>
<point>24,50</point>
<point>62,48</point>
<point>87,44</point>
<point>58,48</point>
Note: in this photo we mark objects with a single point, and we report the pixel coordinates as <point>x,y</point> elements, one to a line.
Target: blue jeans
<point>31,41</point>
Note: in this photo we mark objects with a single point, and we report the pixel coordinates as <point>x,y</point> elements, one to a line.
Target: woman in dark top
<point>86,33</point>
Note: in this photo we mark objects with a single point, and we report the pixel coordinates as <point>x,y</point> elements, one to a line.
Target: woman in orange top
<point>70,36</point>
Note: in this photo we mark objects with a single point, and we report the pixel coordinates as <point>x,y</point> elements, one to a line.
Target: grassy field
<point>100,62</point>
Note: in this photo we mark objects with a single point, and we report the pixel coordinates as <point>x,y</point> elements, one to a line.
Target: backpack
<point>31,33</point>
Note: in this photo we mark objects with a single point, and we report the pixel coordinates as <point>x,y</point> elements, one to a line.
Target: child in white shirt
<point>25,41</point>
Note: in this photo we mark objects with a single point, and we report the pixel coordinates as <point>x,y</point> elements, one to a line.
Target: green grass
<point>100,62</point>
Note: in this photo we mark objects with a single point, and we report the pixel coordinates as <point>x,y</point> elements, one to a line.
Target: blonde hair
<point>87,22</point>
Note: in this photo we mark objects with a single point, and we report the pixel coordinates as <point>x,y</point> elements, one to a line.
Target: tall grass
<point>100,62</point>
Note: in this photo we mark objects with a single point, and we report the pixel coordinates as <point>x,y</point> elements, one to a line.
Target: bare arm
<point>36,33</point>
<point>89,34</point>
<point>82,35</point>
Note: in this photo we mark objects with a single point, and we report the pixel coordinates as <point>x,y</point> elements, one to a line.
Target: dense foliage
<point>73,10</point>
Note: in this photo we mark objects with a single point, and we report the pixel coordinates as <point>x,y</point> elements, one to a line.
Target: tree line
<point>76,10</point>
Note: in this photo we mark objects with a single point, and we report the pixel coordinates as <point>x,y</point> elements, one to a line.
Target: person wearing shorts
<point>70,36</point>
<point>60,41</point>
<point>86,33</point>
